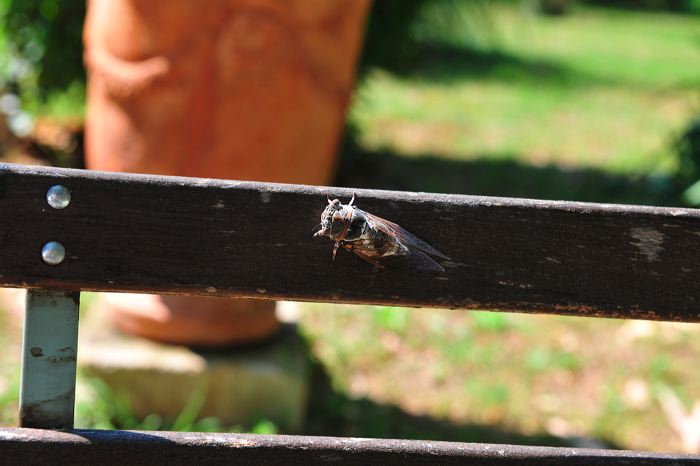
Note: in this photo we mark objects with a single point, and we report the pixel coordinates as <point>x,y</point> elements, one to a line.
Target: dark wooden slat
<point>33,446</point>
<point>226,238</point>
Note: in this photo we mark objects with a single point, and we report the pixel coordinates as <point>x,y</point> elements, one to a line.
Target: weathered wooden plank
<point>226,238</point>
<point>33,446</point>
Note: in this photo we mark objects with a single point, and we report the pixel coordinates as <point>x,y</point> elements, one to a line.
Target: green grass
<point>66,107</point>
<point>483,376</point>
<point>598,88</point>
<point>98,407</point>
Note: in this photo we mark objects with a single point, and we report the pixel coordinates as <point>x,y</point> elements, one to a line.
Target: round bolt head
<point>58,197</point>
<point>53,253</point>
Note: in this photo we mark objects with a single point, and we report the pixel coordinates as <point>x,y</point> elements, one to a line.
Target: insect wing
<point>363,252</point>
<point>404,236</point>
<point>416,257</point>
<point>413,261</point>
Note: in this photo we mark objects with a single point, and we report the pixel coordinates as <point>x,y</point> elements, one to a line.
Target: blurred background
<point>550,99</point>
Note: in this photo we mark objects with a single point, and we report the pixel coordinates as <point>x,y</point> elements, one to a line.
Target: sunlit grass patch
<point>594,89</point>
<point>538,375</point>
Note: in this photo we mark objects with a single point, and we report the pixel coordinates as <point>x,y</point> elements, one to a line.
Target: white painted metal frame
<point>49,352</point>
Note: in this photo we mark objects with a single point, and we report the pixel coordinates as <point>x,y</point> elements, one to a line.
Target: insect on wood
<point>376,240</point>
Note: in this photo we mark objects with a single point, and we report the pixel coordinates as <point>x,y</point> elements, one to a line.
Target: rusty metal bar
<point>49,349</point>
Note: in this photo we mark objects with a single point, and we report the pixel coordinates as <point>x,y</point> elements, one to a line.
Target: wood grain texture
<point>226,238</point>
<point>34,446</point>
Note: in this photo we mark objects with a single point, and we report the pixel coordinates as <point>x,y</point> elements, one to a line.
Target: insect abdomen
<point>381,242</point>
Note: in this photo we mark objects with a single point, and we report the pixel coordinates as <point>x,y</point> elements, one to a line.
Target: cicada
<point>376,240</point>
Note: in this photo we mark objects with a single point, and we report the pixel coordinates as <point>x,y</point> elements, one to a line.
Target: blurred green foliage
<point>688,146</point>
<point>490,321</point>
<point>43,41</point>
<point>389,41</point>
<point>393,319</point>
<point>400,32</point>
<point>683,6</point>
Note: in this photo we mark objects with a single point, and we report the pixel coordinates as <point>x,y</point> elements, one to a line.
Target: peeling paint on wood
<point>649,241</point>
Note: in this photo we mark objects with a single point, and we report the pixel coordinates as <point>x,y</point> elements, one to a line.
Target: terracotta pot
<point>191,320</point>
<point>235,89</point>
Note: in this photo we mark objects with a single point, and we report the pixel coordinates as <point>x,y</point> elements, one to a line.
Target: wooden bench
<point>153,234</point>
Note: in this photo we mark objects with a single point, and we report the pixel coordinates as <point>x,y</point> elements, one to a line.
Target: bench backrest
<point>240,239</point>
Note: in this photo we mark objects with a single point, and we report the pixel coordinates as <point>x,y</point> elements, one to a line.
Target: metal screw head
<point>53,253</point>
<point>58,197</point>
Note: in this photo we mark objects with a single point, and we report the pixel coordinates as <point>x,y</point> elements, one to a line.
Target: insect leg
<point>335,249</point>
